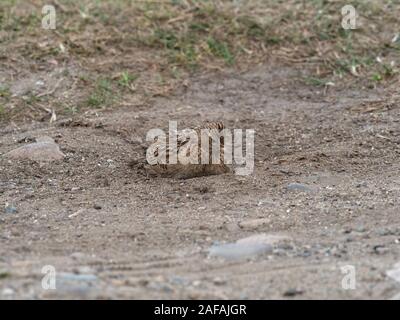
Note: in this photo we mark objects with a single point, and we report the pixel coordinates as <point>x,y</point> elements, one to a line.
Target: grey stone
<point>77,285</point>
<point>360,229</point>
<point>66,277</point>
<point>246,248</point>
<point>299,187</point>
<point>7,292</point>
<point>380,249</point>
<point>43,150</point>
<point>394,273</point>
<point>10,209</point>
<point>177,280</point>
<point>292,292</point>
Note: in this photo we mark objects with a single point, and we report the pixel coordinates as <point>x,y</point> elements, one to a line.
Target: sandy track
<point>149,238</point>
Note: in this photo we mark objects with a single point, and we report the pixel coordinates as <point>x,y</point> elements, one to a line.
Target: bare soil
<point>149,238</point>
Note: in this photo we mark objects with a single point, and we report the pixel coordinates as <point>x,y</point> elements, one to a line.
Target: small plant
<point>220,49</point>
<point>31,98</point>
<point>126,79</point>
<point>377,77</point>
<point>101,95</point>
<point>167,38</point>
<point>316,81</point>
<point>4,92</point>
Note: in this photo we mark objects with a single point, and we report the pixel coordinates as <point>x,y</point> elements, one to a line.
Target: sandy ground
<point>111,232</point>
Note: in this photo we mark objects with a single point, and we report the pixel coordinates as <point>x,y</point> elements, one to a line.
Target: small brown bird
<point>190,151</point>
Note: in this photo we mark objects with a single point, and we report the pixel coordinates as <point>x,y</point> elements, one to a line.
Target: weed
<point>102,94</point>
<point>126,79</point>
<point>220,49</point>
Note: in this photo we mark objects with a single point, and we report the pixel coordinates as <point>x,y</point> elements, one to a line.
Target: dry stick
<point>47,110</point>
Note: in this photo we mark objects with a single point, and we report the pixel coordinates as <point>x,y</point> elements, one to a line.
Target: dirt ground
<point>111,232</point>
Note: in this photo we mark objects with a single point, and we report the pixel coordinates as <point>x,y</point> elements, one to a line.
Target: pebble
<point>10,209</point>
<point>245,248</point>
<point>160,287</point>
<point>385,232</point>
<point>7,292</point>
<point>82,286</point>
<point>380,249</point>
<point>361,184</point>
<point>43,150</point>
<point>76,277</point>
<point>218,281</point>
<point>299,187</point>
<point>394,273</point>
<point>177,280</point>
<point>84,270</point>
<point>292,292</point>
<point>360,229</point>
<point>347,231</point>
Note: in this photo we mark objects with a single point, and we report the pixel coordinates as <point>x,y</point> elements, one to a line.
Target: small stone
<point>196,283</point>
<point>178,280</point>
<point>395,272</point>
<point>246,248</point>
<point>84,270</point>
<point>360,229</point>
<point>361,184</point>
<point>292,292</point>
<point>384,232</point>
<point>7,292</point>
<point>218,281</point>
<point>305,254</point>
<point>97,206</point>
<point>299,187</point>
<point>347,230</point>
<point>76,277</point>
<point>380,249</point>
<point>43,150</point>
<point>10,209</point>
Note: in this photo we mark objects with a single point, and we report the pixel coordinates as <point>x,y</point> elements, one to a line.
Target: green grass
<point>221,50</point>
<point>102,95</point>
<point>145,48</point>
<point>2,111</point>
<point>4,274</point>
<point>126,79</point>
<point>316,81</point>
<point>4,92</point>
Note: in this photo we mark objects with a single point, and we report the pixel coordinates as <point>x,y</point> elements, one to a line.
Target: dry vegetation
<point>106,54</point>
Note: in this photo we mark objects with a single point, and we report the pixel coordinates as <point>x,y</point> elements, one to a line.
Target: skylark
<point>189,152</point>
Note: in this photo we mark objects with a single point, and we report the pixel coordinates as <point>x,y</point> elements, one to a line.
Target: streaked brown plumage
<point>191,149</point>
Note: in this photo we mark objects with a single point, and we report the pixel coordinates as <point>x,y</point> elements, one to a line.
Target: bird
<point>190,150</point>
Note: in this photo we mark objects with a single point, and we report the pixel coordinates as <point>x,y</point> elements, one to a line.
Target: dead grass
<point>125,52</point>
